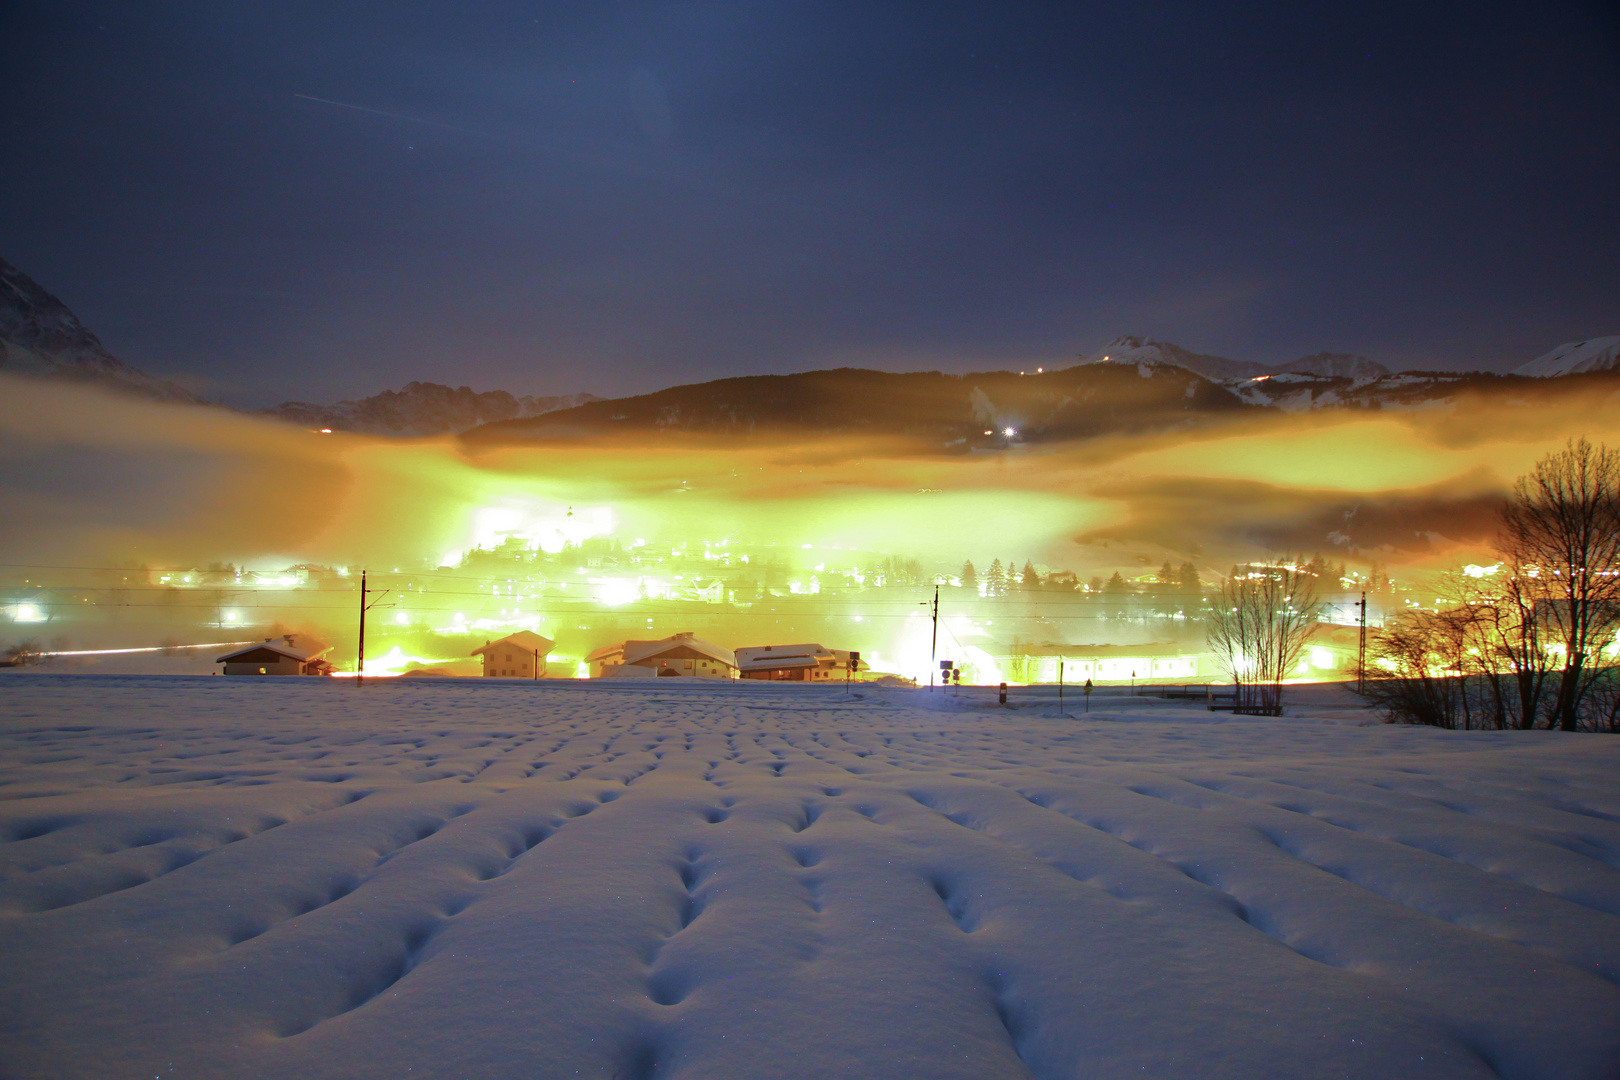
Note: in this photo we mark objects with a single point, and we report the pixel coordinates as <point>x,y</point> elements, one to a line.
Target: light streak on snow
<point>151,649</point>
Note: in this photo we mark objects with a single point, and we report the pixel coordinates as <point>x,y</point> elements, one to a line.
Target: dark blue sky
<point>616,197</point>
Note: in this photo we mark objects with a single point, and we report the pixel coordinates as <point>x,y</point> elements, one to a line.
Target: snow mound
<point>1575,357</point>
<point>480,879</point>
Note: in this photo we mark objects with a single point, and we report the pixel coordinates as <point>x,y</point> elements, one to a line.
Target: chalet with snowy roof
<point>681,654</point>
<point>290,654</point>
<point>793,663</point>
<point>517,656</point>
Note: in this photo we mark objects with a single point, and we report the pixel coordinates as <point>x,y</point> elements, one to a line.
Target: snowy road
<point>298,878</point>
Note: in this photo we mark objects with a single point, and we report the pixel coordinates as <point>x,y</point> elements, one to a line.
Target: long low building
<point>678,655</point>
<point>808,662</point>
<point>287,655</point>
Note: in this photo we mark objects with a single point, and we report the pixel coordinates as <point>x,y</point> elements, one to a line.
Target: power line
<point>854,595</point>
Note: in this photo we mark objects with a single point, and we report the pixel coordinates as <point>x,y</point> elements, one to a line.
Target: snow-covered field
<point>289,878</point>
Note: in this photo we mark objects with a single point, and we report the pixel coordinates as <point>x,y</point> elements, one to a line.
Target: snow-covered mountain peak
<point>40,337</point>
<point>1575,357</point>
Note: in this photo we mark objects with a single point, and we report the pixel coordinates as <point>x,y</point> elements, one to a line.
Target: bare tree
<point>1561,536</point>
<point>1509,637</point>
<point>1418,682</point>
<point>1257,626</point>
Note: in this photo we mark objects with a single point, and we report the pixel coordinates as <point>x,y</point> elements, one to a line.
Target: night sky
<point>315,200</point>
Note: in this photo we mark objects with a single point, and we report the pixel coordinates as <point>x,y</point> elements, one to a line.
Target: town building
<point>517,656</point>
<point>290,654</point>
<point>680,654</point>
<point>793,663</point>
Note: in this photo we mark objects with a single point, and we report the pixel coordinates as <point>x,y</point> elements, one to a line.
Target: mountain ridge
<point>41,338</point>
<point>1132,384</point>
<point>422,409</point>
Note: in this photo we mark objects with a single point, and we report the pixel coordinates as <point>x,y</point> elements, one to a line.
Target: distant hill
<point>422,408</point>
<point>1574,358</point>
<point>963,411</point>
<point>1334,366</point>
<point>41,338</point>
<point>1129,349</point>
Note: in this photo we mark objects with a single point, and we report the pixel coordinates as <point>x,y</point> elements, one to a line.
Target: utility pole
<point>537,665</point>
<point>933,645</point>
<point>1361,653</point>
<point>1060,688</point>
<point>365,606</point>
<point>360,668</point>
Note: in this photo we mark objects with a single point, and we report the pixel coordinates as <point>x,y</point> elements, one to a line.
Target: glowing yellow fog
<point>91,480</point>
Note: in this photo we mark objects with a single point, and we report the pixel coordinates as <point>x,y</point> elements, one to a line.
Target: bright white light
<point>1477,571</point>
<point>1009,432</point>
<point>231,616</point>
<point>614,592</point>
<point>401,619</point>
<point>28,613</point>
<point>1320,657</point>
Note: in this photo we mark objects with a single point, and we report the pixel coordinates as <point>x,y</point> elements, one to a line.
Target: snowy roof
<point>636,651</point>
<point>761,657</point>
<point>523,639</point>
<point>292,646</point>
<point>1594,354</point>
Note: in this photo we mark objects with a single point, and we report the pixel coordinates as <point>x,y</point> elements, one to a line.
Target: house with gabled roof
<point>516,656</point>
<point>680,654</point>
<point>290,654</point>
<point>793,663</point>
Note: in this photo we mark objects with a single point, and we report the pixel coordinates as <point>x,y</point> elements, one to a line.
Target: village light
<point>1009,432</point>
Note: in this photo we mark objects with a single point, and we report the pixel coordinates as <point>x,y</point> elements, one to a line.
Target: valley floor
<point>213,878</point>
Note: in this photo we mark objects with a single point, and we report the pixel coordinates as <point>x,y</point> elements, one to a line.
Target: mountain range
<point>1130,349</point>
<point>1131,384</point>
